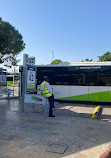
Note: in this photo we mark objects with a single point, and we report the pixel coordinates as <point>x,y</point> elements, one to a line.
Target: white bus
<point>78,81</point>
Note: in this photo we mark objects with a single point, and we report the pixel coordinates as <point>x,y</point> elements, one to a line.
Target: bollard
<point>97,112</point>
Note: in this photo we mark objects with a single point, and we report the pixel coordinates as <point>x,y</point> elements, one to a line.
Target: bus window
<point>98,77</point>
<point>10,80</point>
<point>76,79</point>
<point>57,79</point>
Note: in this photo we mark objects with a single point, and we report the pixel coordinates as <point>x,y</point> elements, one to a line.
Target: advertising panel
<point>35,98</point>
<point>31,78</point>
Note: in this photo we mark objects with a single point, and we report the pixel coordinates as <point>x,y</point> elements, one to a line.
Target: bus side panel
<point>72,93</point>
<point>109,95</point>
<point>79,93</point>
<point>61,92</point>
<point>98,93</point>
<point>10,83</point>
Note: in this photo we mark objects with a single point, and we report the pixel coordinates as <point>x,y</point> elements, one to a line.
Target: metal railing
<point>14,91</point>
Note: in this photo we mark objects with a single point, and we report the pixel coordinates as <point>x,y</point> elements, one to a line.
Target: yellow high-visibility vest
<point>45,91</point>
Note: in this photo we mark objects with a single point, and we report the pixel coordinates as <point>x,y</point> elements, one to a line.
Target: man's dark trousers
<point>51,104</point>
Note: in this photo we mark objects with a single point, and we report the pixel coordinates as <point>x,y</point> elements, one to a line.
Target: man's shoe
<point>53,107</point>
<point>51,115</point>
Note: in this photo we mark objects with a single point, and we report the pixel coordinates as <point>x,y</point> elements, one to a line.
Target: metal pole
<point>8,94</point>
<point>33,103</point>
<point>13,91</point>
<point>52,55</point>
<point>25,56</point>
<point>20,84</point>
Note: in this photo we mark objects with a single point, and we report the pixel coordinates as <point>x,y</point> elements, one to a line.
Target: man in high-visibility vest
<point>47,92</point>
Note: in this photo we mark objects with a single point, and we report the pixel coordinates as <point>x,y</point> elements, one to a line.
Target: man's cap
<point>45,77</point>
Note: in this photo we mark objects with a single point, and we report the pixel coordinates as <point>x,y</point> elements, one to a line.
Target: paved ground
<point>71,134</point>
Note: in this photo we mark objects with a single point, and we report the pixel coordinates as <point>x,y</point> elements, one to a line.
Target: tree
<point>105,57</point>
<point>56,61</point>
<point>11,42</point>
<point>12,61</point>
<point>87,60</point>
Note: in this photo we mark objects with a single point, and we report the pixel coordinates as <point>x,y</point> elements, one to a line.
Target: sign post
<point>29,75</point>
<point>29,84</point>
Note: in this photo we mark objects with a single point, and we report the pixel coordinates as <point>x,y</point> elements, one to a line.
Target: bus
<point>78,81</point>
<point>12,80</point>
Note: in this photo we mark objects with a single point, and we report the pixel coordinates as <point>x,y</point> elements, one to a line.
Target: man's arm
<point>48,87</point>
<point>106,154</point>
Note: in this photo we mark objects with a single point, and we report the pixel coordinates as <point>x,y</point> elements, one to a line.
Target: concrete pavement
<point>71,134</point>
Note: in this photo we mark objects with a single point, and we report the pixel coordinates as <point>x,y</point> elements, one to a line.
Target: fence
<point>14,91</point>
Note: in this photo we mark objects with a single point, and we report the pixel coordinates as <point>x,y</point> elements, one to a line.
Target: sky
<point>73,29</point>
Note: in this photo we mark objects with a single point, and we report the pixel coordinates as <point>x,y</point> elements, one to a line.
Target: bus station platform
<point>71,134</point>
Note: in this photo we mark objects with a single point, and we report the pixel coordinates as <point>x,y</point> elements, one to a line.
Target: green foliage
<point>11,61</point>
<point>87,60</point>
<point>11,42</point>
<point>105,57</point>
<point>57,61</point>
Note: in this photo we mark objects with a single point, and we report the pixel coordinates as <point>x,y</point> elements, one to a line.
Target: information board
<point>3,79</point>
<point>31,78</point>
